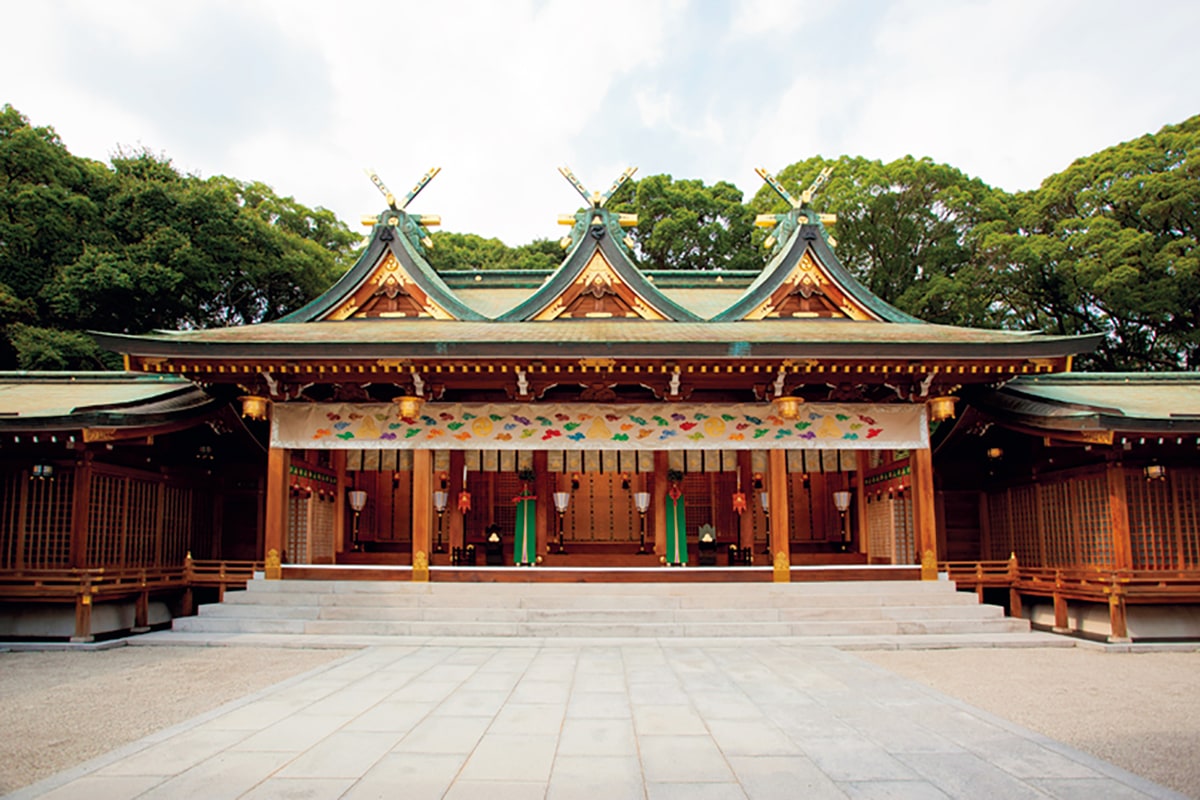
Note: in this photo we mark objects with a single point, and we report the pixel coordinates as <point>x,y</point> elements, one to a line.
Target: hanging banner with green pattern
<point>587,426</point>
<point>676,528</point>
<point>525,540</point>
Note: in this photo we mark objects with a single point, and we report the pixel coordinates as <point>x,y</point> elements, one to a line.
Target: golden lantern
<point>254,406</point>
<point>788,407</point>
<point>1155,472</point>
<point>995,453</point>
<point>410,406</point>
<point>941,408</point>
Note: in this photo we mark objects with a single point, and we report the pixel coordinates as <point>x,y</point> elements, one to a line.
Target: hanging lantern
<point>941,408</point>
<point>841,501</point>
<point>410,405</point>
<point>739,502</point>
<point>995,453</point>
<point>464,502</point>
<point>788,407</point>
<point>254,406</point>
<point>1155,472</point>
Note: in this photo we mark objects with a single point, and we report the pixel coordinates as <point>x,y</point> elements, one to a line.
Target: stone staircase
<point>400,608</point>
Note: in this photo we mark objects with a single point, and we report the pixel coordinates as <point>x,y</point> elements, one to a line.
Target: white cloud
<point>303,96</point>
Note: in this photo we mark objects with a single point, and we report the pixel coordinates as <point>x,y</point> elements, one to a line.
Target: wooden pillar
<point>83,611</point>
<point>279,462</point>
<point>924,513</point>
<point>544,486</point>
<point>455,529</point>
<point>746,518</point>
<point>422,513</point>
<point>658,503</point>
<point>80,512</point>
<point>860,504</point>
<point>1118,518</point>
<point>339,501</point>
<point>777,491</point>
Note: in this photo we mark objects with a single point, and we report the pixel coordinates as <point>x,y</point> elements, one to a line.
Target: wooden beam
<point>275,528</point>
<point>1118,518</point>
<point>924,511</point>
<point>777,501</point>
<point>342,486</point>
<point>658,503</point>
<point>80,511</point>
<point>860,504</point>
<point>546,520</point>
<point>422,512</point>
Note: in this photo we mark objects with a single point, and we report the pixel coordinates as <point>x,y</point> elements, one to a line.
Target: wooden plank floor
<point>652,574</point>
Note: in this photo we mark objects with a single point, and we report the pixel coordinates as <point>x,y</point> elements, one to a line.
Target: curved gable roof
<point>806,280</point>
<point>389,267</point>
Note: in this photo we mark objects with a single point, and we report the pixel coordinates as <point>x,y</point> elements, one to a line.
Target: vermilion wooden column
<point>422,512</point>
<point>275,526</point>
<point>339,502</point>
<point>924,512</point>
<point>658,503</point>
<point>456,535</point>
<point>80,506</point>
<point>860,505</point>
<point>1118,517</point>
<point>546,518</point>
<point>777,490</point>
<point>746,518</point>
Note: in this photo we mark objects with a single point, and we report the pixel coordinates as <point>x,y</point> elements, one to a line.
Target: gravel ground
<point>1140,711</point>
<point>60,708</point>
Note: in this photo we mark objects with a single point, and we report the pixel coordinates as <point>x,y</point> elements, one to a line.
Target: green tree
<point>683,224</point>
<point>467,251</point>
<point>1110,245</point>
<point>137,245</point>
<point>907,230</point>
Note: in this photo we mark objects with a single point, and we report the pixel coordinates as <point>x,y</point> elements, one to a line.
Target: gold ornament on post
<point>941,408</point>
<point>254,406</point>
<point>788,406</point>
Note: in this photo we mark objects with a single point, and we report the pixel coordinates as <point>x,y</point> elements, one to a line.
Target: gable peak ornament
<point>413,226</point>
<point>801,211</point>
<point>595,220</point>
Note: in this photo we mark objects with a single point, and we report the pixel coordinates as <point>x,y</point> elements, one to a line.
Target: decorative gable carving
<point>808,292</point>
<point>598,293</point>
<point>389,292</point>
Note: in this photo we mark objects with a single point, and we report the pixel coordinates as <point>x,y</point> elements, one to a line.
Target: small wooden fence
<point>86,586</point>
<point>1117,588</point>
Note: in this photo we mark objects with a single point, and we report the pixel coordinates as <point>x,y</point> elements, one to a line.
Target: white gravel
<point>1140,711</point>
<point>60,708</point>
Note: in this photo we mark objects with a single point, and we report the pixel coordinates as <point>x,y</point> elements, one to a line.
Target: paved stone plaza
<point>596,719</point>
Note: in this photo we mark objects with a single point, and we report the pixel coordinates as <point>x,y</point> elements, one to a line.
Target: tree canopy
<point>1108,245</point>
<point>135,245</point>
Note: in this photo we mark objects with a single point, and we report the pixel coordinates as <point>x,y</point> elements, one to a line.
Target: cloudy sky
<point>304,95</point>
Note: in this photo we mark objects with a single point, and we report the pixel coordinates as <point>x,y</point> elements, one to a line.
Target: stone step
<point>610,628</point>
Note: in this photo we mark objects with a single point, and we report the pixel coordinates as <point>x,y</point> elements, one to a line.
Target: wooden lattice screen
<point>890,530</point>
<point>35,515</point>
<point>1164,519</point>
<point>144,519</point>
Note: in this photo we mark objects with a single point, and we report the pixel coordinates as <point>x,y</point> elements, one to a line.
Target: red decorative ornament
<point>675,493</point>
<point>739,502</point>
<point>464,502</point>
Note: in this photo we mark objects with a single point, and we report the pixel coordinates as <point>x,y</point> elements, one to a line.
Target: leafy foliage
<point>136,246</point>
<point>464,251</point>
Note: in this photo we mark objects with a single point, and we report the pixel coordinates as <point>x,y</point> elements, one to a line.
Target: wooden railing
<point>1115,587</point>
<point>86,586</point>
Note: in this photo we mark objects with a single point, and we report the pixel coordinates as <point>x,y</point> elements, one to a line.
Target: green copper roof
<point>1102,401</point>
<point>384,238</point>
<point>397,338</point>
<point>72,400</point>
<point>600,239</point>
<point>809,238</point>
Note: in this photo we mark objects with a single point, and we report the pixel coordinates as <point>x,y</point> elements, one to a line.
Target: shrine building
<point>600,417</point>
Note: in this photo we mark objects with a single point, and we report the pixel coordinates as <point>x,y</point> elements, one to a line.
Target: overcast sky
<point>304,95</point>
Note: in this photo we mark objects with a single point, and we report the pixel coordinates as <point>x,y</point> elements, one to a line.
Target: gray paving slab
<point>638,719</point>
